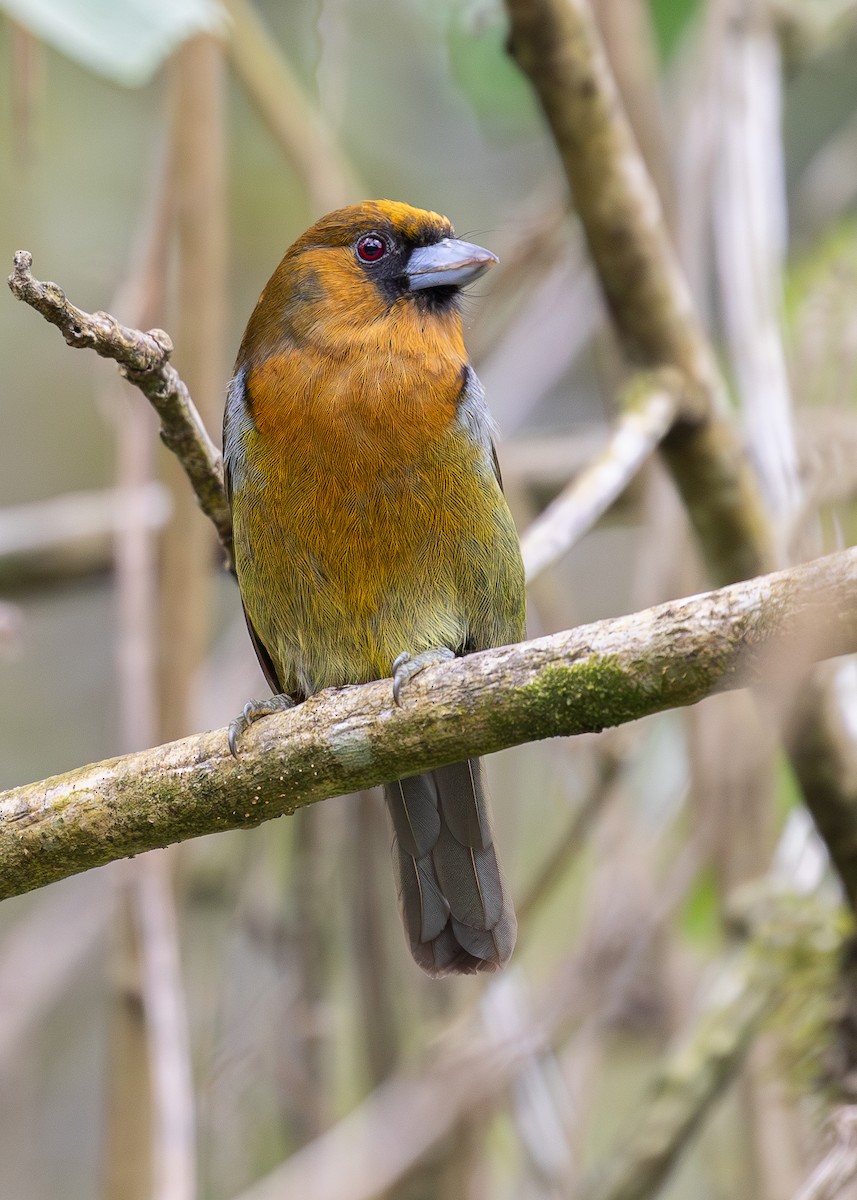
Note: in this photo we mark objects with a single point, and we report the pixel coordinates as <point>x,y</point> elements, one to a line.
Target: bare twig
<point>573,682</point>
<point>650,405</point>
<point>143,359</point>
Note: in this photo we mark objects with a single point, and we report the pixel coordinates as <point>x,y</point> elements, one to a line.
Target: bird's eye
<point>371,248</point>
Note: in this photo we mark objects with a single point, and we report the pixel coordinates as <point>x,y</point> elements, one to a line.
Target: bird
<point>372,536</point>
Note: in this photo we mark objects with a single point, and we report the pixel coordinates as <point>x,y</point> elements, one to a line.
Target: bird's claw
<point>407,665</point>
<point>252,711</point>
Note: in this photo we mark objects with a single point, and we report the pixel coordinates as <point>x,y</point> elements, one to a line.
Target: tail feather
<point>457,913</point>
<point>432,906</point>
<point>469,823</point>
<point>415,813</point>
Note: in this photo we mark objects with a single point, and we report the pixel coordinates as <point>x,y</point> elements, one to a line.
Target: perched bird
<point>371,532</point>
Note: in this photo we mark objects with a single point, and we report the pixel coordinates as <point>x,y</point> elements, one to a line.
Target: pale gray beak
<point>449,263</point>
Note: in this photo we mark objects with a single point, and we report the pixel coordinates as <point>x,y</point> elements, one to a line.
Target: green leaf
<point>122,40</point>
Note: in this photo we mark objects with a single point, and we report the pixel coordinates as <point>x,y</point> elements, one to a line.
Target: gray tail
<point>457,912</point>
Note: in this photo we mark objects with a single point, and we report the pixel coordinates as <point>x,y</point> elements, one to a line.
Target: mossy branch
<point>143,359</point>
<point>578,681</point>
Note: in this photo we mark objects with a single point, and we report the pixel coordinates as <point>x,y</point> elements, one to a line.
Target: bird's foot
<point>252,711</point>
<point>408,665</point>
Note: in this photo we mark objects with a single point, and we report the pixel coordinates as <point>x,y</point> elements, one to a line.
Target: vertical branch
<point>197,163</point>
<point>130,1137</point>
<point>168,1040</point>
<point>556,45</point>
<point>308,902</point>
<point>750,226</point>
<point>375,982</point>
<point>128,1173</point>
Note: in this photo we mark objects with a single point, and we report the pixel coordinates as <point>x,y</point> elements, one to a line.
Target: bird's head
<point>360,265</point>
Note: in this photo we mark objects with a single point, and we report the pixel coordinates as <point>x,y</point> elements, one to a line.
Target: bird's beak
<point>448,263</point>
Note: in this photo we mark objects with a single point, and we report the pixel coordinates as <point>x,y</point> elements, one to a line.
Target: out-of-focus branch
<point>328,177</point>
<point>694,1074</point>
<point>749,218</point>
<point>168,1041</point>
<point>556,45</point>
<point>143,359</point>
<point>649,405</point>
<point>408,1115</point>
<point>579,681</point>
<point>839,1166</point>
<point>73,534</point>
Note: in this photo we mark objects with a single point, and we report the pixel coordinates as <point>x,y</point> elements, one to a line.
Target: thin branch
<point>578,681</point>
<point>143,359</point>
<point>650,404</point>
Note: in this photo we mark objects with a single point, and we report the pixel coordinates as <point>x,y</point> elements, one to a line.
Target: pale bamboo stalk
<point>128,1152</point>
<point>167,1036</point>
<point>748,211</point>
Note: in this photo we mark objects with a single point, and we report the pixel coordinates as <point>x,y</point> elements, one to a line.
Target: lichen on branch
<point>582,680</point>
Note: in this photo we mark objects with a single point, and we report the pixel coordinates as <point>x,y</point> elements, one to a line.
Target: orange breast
<point>368,498</point>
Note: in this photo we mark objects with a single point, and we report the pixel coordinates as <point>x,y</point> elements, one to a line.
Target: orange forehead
<point>341,227</point>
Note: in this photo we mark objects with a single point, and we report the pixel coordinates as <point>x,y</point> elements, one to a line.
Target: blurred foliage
<point>702,914</point>
<point>670,19</point>
<point>125,41</point>
<point>481,67</point>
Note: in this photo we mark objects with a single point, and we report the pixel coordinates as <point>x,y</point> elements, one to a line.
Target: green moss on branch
<point>577,681</point>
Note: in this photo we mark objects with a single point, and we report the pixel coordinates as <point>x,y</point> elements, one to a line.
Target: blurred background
<point>180,1025</point>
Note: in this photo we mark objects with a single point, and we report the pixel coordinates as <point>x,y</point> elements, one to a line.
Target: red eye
<point>371,248</point>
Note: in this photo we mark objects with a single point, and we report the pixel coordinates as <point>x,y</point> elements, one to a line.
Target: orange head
<point>356,266</point>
